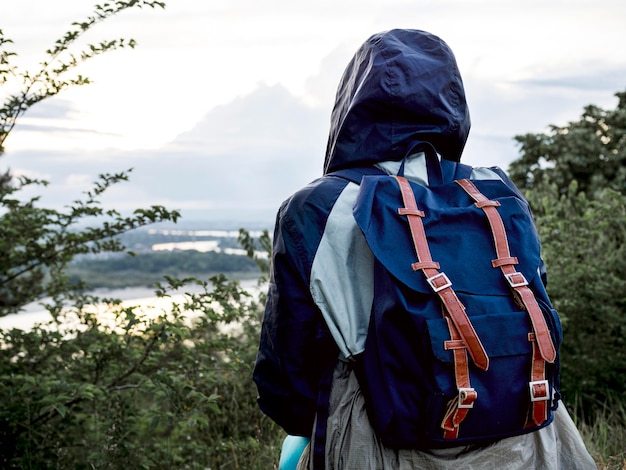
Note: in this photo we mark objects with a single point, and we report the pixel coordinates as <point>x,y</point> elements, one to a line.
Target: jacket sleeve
<point>295,347</point>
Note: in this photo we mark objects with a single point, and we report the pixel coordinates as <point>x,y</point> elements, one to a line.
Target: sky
<point>222,109</point>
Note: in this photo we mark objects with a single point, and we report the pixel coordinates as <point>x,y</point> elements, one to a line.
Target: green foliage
<point>106,386</point>
<point>103,385</point>
<point>575,180</point>
<point>36,244</point>
<point>147,268</point>
<point>584,246</point>
<point>590,151</point>
<point>605,433</point>
<point>263,246</point>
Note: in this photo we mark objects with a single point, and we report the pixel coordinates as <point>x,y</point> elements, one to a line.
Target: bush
<point>102,385</point>
<point>113,387</point>
<point>584,244</point>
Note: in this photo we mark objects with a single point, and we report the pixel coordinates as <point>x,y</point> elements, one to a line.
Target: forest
<point>147,268</point>
<point>104,385</point>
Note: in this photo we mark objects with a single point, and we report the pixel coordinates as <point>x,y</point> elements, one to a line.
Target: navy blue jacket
<point>401,91</point>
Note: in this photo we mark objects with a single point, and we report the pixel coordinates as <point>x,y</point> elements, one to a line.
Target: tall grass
<point>604,431</point>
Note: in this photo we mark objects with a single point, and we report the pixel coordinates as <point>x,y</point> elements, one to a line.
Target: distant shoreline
<point>34,313</point>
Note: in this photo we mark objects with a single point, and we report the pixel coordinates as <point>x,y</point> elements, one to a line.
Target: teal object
<point>292,449</point>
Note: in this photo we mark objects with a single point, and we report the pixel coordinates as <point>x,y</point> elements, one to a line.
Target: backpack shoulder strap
<point>455,171</point>
<point>450,171</point>
<point>543,347</point>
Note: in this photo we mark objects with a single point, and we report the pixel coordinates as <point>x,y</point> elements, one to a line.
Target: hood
<point>401,90</point>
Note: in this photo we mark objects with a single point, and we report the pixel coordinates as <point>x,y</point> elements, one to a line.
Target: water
<point>142,296</point>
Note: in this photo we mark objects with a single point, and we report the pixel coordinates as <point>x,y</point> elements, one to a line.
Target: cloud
<point>58,108</point>
<point>239,162</point>
<point>243,158</point>
<point>273,69</point>
<point>555,95</point>
<point>321,87</point>
<point>52,122</point>
<point>586,76</point>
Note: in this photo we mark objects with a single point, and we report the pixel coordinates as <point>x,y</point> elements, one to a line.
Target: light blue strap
<point>292,449</point>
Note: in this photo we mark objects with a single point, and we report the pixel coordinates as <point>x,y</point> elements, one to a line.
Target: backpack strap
<point>448,171</point>
<point>437,280</point>
<point>543,347</point>
<point>459,406</point>
<point>455,170</point>
<point>318,443</point>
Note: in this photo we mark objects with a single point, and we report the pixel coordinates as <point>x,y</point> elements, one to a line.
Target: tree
<point>575,180</point>
<point>584,247</point>
<point>104,385</point>
<point>590,151</point>
<point>36,243</point>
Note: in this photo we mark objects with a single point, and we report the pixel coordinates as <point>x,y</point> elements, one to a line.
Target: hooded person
<point>400,100</point>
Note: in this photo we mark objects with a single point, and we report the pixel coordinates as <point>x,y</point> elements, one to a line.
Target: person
<point>401,90</point>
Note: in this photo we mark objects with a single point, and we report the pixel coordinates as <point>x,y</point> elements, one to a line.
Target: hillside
<point>159,252</point>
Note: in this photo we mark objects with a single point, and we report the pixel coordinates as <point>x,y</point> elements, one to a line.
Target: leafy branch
<point>37,243</point>
<point>47,81</point>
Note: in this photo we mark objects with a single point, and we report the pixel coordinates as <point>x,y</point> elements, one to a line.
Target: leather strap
<point>543,347</point>
<point>538,387</point>
<point>459,406</point>
<point>437,280</point>
<point>506,263</point>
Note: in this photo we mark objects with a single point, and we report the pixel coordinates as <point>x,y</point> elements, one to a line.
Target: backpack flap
<point>456,229</point>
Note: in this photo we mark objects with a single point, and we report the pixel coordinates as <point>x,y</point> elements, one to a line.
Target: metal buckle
<point>435,288</point>
<point>534,398</point>
<point>513,284</point>
<point>463,395</point>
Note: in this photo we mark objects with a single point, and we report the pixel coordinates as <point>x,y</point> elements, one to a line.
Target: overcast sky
<point>223,108</point>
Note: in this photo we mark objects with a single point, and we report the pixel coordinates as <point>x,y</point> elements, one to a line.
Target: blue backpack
<point>463,342</point>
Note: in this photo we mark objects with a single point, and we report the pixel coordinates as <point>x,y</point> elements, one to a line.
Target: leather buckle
<point>539,390</point>
<point>516,279</point>
<point>431,281</point>
<point>467,396</point>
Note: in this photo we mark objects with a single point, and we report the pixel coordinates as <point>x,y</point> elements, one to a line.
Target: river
<point>143,296</point>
